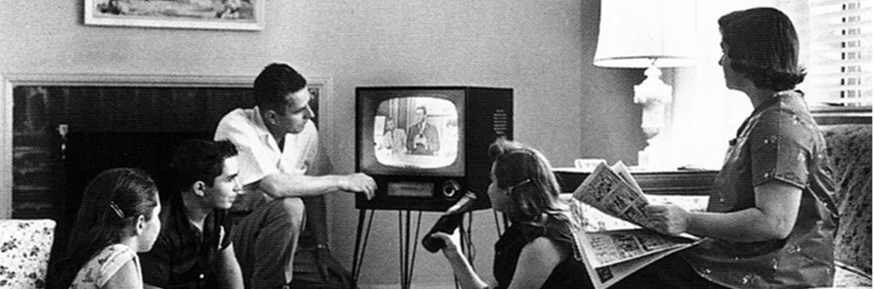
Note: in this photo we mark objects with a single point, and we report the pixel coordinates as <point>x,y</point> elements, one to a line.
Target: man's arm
<point>279,185</point>
<point>258,171</point>
<point>228,269</point>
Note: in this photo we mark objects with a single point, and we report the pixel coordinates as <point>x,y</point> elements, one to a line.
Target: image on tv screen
<point>416,132</point>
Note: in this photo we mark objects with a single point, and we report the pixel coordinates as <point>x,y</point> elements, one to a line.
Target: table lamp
<point>649,34</point>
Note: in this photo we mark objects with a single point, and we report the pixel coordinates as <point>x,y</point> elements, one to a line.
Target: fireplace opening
<point>89,153</point>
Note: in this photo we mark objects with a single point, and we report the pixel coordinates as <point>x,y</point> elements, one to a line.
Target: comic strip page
<point>613,236</point>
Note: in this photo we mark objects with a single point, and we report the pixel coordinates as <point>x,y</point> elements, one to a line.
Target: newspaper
<point>616,237</point>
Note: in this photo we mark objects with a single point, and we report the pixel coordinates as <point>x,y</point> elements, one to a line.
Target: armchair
<point>849,146</point>
<point>25,247</point>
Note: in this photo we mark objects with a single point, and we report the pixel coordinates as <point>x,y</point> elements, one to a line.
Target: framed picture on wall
<point>193,14</point>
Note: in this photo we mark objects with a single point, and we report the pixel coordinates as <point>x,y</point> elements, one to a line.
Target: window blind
<point>839,53</point>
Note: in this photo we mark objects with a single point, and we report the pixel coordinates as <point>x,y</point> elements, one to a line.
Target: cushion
<point>25,246</point>
<point>850,149</point>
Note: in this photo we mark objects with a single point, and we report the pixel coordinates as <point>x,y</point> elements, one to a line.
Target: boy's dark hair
<point>200,160</point>
<point>763,46</point>
<point>275,82</point>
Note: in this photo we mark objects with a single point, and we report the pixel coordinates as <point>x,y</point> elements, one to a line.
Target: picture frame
<point>245,15</point>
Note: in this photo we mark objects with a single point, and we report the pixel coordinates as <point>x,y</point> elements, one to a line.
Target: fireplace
<point>64,129</point>
<point>58,131</point>
<point>66,133</point>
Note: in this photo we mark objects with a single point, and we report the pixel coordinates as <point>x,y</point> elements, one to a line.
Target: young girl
<point>538,250</point>
<point>117,219</point>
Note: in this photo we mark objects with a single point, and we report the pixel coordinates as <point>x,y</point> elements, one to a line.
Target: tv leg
<point>358,257</point>
<point>407,245</point>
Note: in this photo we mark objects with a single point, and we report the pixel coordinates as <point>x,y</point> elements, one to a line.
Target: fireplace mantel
<point>9,82</point>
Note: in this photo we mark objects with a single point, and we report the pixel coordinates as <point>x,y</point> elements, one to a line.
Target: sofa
<point>25,247</point>
<point>849,146</point>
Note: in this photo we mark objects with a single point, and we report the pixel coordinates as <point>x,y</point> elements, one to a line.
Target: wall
<point>542,49</point>
<point>609,118</point>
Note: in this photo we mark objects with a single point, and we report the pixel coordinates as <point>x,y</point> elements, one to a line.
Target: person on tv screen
<point>422,137</point>
<point>278,147</point>
<point>194,249</point>
<point>538,250</point>
<point>393,138</point>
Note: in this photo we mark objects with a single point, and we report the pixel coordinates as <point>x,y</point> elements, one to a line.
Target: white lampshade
<point>634,33</point>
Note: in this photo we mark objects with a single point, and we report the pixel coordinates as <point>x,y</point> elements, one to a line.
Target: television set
<point>426,146</point>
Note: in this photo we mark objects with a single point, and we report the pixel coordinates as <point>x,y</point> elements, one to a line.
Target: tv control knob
<point>451,189</point>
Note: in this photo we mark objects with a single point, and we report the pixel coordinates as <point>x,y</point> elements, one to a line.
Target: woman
<point>117,219</point>
<point>770,218</point>
<point>538,250</point>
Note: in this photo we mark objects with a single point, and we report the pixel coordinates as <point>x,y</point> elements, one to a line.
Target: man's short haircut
<point>424,110</point>
<point>275,82</point>
<point>200,160</point>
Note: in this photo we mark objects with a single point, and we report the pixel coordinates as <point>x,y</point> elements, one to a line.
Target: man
<point>278,148</point>
<point>422,136</point>
<point>193,249</point>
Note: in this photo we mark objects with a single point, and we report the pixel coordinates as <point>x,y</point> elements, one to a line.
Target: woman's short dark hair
<point>763,46</point>
<point>275,82</point>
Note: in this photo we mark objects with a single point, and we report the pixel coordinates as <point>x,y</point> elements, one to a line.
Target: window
<point>836,47</point>
<point>835,39</point>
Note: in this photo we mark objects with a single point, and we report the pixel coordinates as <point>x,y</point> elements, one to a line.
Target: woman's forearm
<point>743,226</point>
<point>773,217</point>
<point>467,277</point>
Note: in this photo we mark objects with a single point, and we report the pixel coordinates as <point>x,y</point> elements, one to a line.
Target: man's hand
<point>359,183</point>
<point>420,139</point>
<point>669,219</point>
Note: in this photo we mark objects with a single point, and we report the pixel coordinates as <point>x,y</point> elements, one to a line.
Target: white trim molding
<point>5,148</point>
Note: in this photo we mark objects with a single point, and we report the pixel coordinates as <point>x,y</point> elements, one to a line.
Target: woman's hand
<point>668,218</point>
<point>460,266</point>
<point>451,249</point>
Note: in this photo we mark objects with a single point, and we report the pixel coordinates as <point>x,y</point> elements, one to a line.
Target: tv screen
<point>418,132</point>
<point>421,134</point>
